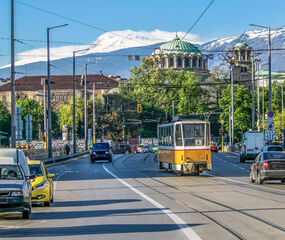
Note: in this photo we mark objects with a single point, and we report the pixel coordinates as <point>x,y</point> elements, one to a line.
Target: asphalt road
<point>132,199</point>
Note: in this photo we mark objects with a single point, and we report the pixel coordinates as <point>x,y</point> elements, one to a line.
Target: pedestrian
<point>67,149</point>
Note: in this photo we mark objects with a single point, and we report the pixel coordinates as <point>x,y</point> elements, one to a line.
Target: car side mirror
<point>50,175</point>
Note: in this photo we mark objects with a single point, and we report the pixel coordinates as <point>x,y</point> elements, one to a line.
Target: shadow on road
<point>89,230</point>
<point>92,202</point>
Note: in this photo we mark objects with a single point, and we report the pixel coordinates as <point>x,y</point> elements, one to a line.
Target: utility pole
<point>230,130</point>
<point>74,106</point>
<point>233,108</point>
<point>252,97</point>
<point>258,102</point>
<point>85,107</point>
<point>13,118</point>
<point>282,103</point>
<point>94,117</point>
<point>49,90</point>
<point>45,111</point>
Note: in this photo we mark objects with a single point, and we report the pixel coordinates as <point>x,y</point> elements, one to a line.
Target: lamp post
<point>49,98</point>
<point>74,105</point>
<point>269,64</point>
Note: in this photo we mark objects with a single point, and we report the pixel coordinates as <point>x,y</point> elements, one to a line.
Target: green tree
<point>5,123</point>
<point>242,114</point>
<point>30,106</point>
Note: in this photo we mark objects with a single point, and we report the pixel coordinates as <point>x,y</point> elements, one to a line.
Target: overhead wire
<point>193,25</point>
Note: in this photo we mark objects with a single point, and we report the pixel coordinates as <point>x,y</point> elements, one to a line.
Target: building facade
<point>61,88</point>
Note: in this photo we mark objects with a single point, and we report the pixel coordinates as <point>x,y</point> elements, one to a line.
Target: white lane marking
<point>241,168</point>
<point>190,234</point>
<point>244,183</point>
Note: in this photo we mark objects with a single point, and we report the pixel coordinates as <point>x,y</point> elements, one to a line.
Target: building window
<point>243,69</point>
<point>171,62</point>
<point>193,62</point>
<point>4,99</point>
<point>187,63</point>
<point>179,62</point>
<point>199,63</point>
<point>242,56</point>
<point>163,63</point>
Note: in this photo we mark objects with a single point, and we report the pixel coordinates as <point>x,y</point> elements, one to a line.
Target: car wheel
<point>251,180</point>
<point>283,181</point>
<point>110,160</point>
<point>259,180</point>
<point>26,214</point>
<point>47,204</point>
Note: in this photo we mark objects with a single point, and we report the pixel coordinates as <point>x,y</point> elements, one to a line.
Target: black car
<point>122,149</point>
<point>101,151</point>
<point>275,148</point>
<point>268,166</point>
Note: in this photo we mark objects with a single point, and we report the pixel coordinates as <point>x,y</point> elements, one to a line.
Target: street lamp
<point>74,105</point>
<point>269,64</point>
<point>49,100</point>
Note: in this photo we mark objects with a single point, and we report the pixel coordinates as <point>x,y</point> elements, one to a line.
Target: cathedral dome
<point>176,46</point>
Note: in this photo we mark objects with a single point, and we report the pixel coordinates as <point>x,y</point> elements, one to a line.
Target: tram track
<point>223,226</point>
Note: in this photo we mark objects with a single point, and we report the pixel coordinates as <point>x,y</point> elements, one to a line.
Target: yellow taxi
<point>42,185</point>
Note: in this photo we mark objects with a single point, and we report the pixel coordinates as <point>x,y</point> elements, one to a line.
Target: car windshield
<point>101,145</point>
<point>36,170</point>
<point>10,172</point>
<point>279,156</point>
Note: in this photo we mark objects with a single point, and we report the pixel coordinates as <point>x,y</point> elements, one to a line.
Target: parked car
<point>155,148</point>
<point>276,148</point>
<point>268,166</point>
<point>134,149</point>
<point>214,147</point>
<point>252,144</point>
<point>101,151</point>
<point>42,184</point>
<point>149,148</point>
<point>122,149</point>
<point>15,186</point>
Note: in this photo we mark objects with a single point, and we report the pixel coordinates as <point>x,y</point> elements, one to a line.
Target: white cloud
<point>107,42</point>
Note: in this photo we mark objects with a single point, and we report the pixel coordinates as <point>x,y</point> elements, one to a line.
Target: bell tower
<point>242,63</point>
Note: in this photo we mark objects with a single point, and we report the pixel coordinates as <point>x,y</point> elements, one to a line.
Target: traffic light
<point>139,108</point>
<point>221,131</point>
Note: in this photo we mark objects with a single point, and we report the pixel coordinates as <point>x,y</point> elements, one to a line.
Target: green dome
<point>241,44</point>
<point>176,46</point>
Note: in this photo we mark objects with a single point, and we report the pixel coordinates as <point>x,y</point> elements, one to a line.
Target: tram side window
<point>178,135</point>
<point>171,135</point>
<point>207,134</point>
<point>160,136</point>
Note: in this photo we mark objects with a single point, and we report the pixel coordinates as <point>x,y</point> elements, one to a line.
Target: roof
<point>274,75</point>
<point>34,162</point>
<point>8,155</point>
<point>177,46</point>
<point>241,44</point>
<point>61,82</point>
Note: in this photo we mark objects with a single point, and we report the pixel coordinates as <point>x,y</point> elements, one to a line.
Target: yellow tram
<point>184,146</point>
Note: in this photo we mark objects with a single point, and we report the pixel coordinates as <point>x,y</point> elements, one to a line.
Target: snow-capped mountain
<point>110,52</point>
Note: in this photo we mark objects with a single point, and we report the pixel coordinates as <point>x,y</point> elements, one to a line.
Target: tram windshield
<point>194,134</point>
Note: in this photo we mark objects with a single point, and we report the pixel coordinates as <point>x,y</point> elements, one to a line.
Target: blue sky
<point>224,18</point>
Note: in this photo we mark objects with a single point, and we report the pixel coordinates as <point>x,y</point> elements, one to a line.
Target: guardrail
<point>58,159</point>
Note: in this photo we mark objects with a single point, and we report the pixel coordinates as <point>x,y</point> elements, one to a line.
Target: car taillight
<point>265,165</point>
<point>244,148</point>
<point>94,153</point>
